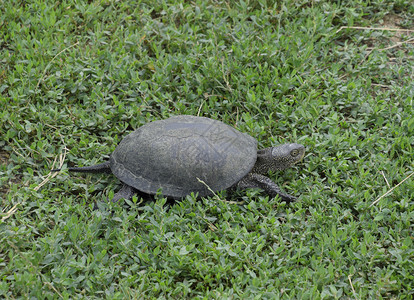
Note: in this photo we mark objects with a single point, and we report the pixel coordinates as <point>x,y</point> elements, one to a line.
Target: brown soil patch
<point>4,157</point>
<point>394,21</point>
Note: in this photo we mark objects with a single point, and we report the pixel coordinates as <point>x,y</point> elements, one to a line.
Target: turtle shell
<point>174,154</point>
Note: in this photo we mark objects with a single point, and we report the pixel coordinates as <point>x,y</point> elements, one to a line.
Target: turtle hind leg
<point>126,192</point>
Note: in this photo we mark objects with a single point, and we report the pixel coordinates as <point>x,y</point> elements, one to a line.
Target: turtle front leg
<point>254,180</point>
<point>126,192</point>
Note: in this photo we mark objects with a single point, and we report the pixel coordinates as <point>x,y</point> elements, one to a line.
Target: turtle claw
<point>287,198</point>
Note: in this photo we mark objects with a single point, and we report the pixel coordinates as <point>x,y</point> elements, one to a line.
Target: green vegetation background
<point>76,76</point>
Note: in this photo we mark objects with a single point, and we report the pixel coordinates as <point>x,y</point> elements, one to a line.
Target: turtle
<point>190,154</point>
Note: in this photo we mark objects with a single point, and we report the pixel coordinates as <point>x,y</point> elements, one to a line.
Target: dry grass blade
<point>352,286</point>
<point>389,191</point>
<point>10,212</point>
<point>216,196</point>
<point>398,44</point>
<point>385,178</point>
<point>53,174</point>
<point>374,28</point>
<point>48,65</point>
<point>199,109</point>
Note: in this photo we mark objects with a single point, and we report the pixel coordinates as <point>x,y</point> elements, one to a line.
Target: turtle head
<point>278,158</point>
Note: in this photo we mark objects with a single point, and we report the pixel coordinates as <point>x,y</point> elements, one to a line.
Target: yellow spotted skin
<point>278,158</point>
<point>272,159</point>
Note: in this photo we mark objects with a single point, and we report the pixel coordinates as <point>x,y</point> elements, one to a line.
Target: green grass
<point>76,77</point>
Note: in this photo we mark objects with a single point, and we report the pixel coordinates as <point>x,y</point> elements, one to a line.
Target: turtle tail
<point>99,168</point>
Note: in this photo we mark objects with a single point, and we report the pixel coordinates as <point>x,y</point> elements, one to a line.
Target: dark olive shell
<point>172,155</point>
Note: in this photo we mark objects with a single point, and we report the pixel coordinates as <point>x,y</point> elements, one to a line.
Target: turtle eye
<point>294,152</point>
